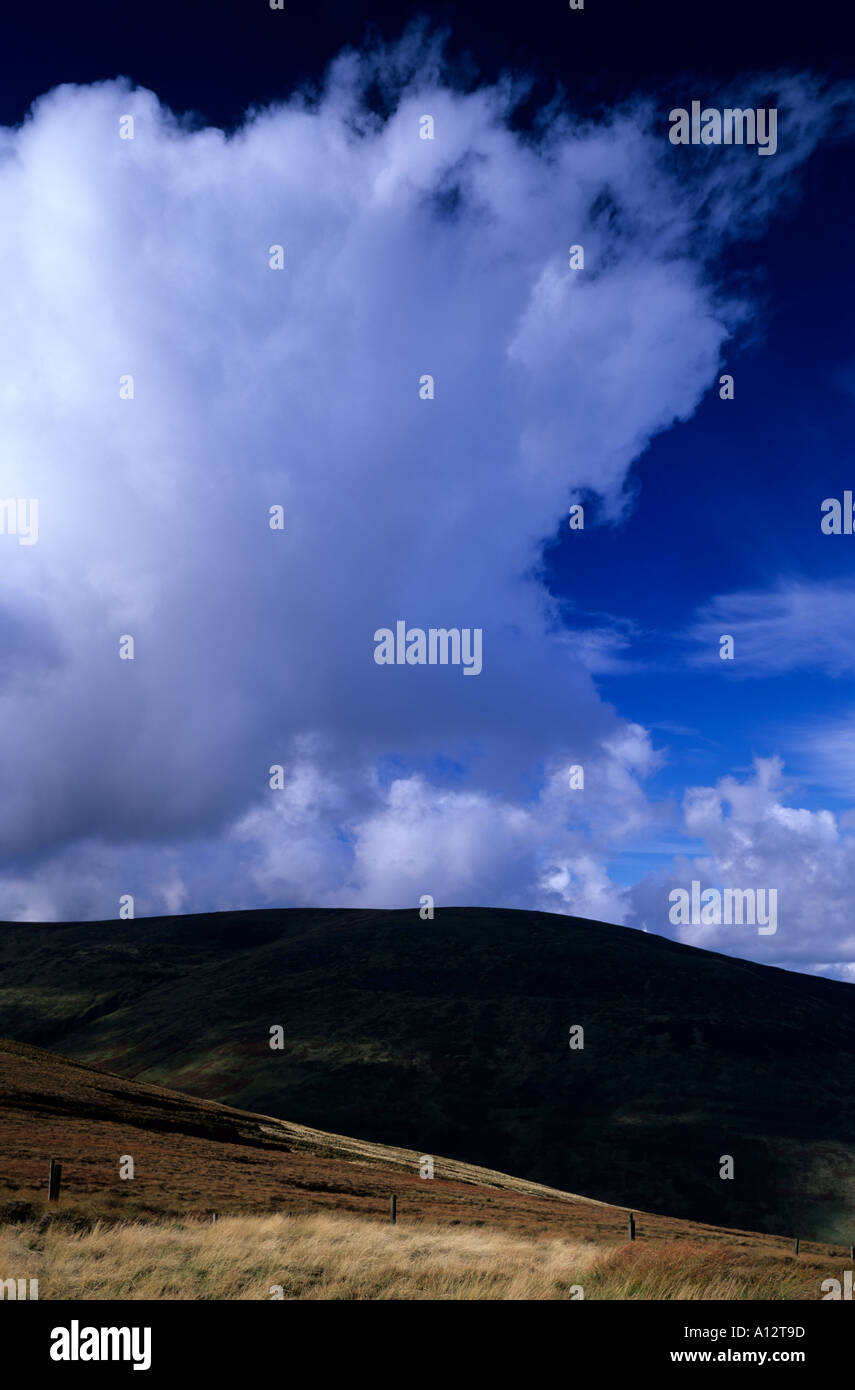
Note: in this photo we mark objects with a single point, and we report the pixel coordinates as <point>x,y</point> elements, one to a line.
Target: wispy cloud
<point>798,625</point>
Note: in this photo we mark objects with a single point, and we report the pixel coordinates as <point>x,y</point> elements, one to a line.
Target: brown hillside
<point>194,1157</point>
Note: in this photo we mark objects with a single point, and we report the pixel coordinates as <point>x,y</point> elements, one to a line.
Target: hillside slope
<point>193,1156</point>
<point>451,1037</point>
<point>466,1233</point>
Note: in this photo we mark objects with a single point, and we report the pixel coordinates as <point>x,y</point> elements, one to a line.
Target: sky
<point>302,388</point>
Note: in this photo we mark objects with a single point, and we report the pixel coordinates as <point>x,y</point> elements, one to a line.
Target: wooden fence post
<point>393,1209</point>
<point>55,1180</point>
<point>631,1226</point>
<point>796,1246</point>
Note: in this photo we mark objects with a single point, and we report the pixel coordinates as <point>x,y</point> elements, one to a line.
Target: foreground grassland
<point>323,1256</point>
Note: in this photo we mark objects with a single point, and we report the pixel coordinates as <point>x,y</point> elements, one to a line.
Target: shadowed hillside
<point>451,1037</point>
<point>465,1233</point>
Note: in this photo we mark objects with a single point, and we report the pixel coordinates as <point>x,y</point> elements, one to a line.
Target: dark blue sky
<point>219,56</point>
<point>731,499</point>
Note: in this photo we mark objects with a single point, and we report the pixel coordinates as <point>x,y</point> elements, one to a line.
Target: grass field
<point>324,1256</point>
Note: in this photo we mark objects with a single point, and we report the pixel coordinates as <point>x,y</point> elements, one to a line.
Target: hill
<point>451,1037</point>
<point>195,1156</point>
<point>466,1233</point>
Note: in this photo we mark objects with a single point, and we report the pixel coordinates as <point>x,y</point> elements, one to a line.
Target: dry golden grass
<point>683,1270</point>
<point>323,1256</point>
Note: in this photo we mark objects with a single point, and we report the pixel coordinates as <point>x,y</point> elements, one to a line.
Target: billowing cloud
<point>756,840</point>
<point>254,387</point>
<point>458,844</point>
